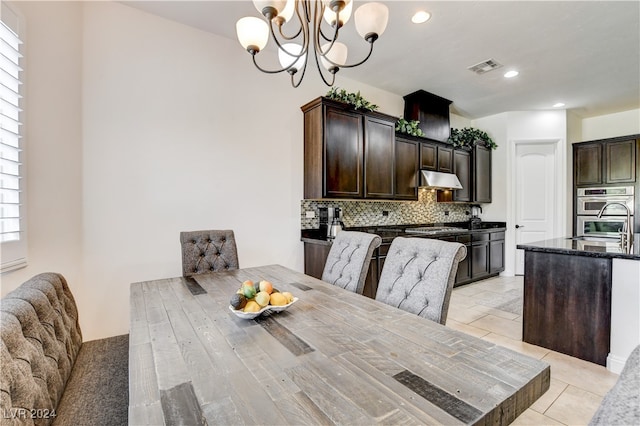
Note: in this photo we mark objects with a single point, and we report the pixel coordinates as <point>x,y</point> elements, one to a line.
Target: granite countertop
<point>388,233</point>
<point>577,247</point>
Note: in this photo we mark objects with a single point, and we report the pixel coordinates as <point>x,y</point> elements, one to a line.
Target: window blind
<point>11,212</point>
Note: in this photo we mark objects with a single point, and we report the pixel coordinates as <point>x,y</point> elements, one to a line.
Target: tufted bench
<point>48,375</point>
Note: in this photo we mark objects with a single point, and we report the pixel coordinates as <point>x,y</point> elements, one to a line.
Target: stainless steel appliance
<point>591,200</point>
<point>475,220</point>
<point>593,219</point>
<point>330,221</point>
<point>609,226</point>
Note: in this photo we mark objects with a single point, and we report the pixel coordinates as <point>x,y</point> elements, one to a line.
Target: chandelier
<point>309,35</point>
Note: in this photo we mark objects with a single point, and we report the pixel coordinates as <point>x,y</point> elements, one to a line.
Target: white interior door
<point>536,190</point>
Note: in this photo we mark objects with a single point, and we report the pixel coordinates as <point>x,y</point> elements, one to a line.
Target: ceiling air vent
<point>484,66</point>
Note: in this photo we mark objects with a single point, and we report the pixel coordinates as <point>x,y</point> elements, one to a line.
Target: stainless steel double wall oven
<point>611,223</point>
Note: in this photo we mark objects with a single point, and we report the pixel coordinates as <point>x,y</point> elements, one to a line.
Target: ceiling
<point>585,54</point>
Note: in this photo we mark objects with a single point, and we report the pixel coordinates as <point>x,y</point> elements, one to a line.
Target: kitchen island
<point>582,298</point>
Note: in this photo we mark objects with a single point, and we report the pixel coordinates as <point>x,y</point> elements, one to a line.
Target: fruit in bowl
<point>254,298</point>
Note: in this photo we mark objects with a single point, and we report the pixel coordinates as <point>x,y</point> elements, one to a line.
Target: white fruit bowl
<point>268,308</point>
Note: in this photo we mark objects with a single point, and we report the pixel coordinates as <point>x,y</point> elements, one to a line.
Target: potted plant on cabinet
<point>468,137</point>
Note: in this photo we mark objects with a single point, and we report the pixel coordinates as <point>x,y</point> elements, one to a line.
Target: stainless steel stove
<point>433,230</point>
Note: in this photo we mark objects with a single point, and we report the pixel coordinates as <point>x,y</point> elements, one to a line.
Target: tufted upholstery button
<point>212,268</point>
<point>201,254</point>
<point>209,240</point>
<point>193,241</point>
<point>223,239</point>
<point>226,266</point>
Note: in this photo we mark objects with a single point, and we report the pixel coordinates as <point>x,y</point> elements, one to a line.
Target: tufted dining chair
<point>418,276</point>
<point>208,251</point>
<point>348,261</point>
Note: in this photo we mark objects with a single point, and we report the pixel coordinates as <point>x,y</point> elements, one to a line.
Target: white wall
<point>505,129</point>
<point>53,143</point>
<point>611,125</point>
<point>175,130</point>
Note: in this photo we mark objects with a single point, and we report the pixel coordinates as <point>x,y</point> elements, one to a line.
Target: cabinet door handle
<point>519,226</point>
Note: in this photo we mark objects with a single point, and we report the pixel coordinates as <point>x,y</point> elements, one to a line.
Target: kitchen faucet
<point>626,238</point>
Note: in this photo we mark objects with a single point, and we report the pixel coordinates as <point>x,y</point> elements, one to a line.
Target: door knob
<point>519,226</point>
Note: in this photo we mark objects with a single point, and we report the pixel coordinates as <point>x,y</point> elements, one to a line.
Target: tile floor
<point>577,386</point>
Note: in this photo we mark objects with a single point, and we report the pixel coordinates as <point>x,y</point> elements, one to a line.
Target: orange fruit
<point>288,295</point>
<point>278,299</point>
<point>266,286</point>
<point>251,306</point>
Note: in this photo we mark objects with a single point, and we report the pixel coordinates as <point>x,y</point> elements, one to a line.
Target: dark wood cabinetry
<point>406,169</point>
<point>462,169</point>
<point>481,174</point>
<point>565,314</point>
<point>473,169</point>
<point>347,153</point>
<point>379,158</point>
<point>343,145</point>
<point>436,157</point>
<point>432,111</point>
<point>485,258</point>
<point>609,162</point>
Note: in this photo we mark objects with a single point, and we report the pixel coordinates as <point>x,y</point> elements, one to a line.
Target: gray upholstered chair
<point>348,260</point>
<point>621,405</point>
<point>208,251</point>
<point>418,276</point>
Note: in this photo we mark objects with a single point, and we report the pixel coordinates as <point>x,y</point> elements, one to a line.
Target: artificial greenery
<point>470,137</point>
<point>409,127</point>
<point>354,99</point>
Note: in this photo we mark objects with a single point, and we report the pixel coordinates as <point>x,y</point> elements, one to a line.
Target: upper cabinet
<point>347,153</point>
<point>432,111</point>
<point>481,174</point>
<point>406,166</point>
<point>611,161</point>
<point>436,157</point>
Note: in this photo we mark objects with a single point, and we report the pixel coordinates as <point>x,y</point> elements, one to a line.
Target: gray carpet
<point>97,392</point>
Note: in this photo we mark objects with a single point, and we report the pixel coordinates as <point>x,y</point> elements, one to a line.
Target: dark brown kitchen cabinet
<point>481,174</point>
<point>436,157</point>
<point>406,169</point>
<point>343,154</point>
<point>496,252</point>
<point>609,161</point>
<point>462,169</point>
<point>473,169</point>
<point>479,255</point>
<point>341,145</point>
<point>379,158</point>
<point>431,111</point>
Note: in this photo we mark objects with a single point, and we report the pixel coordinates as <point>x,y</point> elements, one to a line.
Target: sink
<point>596,239</point>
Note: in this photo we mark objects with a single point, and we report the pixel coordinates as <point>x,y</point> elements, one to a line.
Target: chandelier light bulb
<point>289,9</point>
<point>371,20</point>
<point>345,14</point>
<point>337,55</point>
<point>270,6</point>
<point>287,60</point>
<point>253,33</point>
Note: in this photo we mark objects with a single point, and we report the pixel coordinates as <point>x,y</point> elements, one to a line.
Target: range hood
<point>438,180</point>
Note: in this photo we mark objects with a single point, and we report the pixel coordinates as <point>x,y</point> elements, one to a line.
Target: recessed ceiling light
<point>511,74</point>
<point>558,105</point>
<point>420,17</point>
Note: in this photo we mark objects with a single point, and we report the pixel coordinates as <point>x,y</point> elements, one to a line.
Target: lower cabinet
<point>485,258</point>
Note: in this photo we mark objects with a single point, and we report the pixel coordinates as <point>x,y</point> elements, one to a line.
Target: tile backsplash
<point>371,213</point>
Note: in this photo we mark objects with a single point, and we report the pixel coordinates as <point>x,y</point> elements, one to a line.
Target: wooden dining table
<point>332,357</point>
